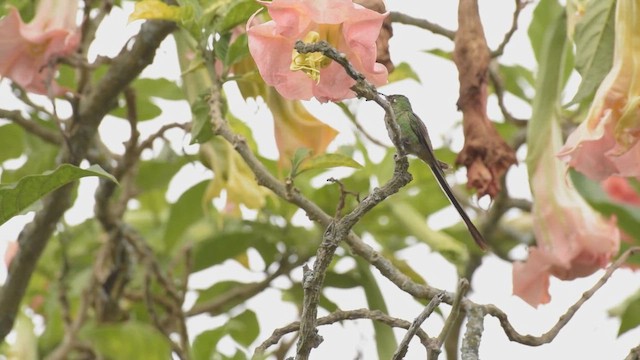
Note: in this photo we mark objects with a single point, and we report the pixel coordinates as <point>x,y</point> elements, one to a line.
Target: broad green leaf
<point>447,55</point>
<point>129,340</point>
<point>544,17</point>
<point>237,50</point>
<point>516,80</point>
<point>41,156</point>
<point>298,158</point>
<point>244,328</point>
<point>160,88</point>
<point>551,53</point>
<point>450,248</point>
<point>385,340</point>
<point>204,346</point>
<point>184,212</point>
<point>221,247</point>
<point>628,312</point>
<point>219,289</point>
<point>201,130</point>
<point>221,46</point>
<point>630,318</point>
<point>145,109</point>
<point>403,71</point>
<point>594,40</point>
<point>326,161</point>
<point>12,140</point>
<point>237,14</point>
<point>16,197</point>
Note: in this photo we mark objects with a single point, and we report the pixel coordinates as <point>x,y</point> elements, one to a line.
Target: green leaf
<point>238,50</point>
<point>516,80</point>
<point>145,109</point>
<point>221,46</point>
<point>298,158</point>
<point>594,39</point>
<point>12,140</point>
<point>221,247</point>
<point>552,59</point>
<point>630,318</point>
<point>237,14</point>
<point>385,340</point>
<point>184,212</point>
<point>325,161</point>
<point>160,88</point>
<point>201,130</point>
<point>16,197</point>
<point>216,290</point>
<point>447,55</point>
<point>403,71</point>
<point>244,328</point>
<point>129,340</point>
<point>204,345</point>
<point>544,17</point>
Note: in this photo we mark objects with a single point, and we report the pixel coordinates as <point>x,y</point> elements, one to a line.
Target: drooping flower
<point>296,128</point>
<point>28,51</point>
<point>572,239</point>
<point>349,27</point>
<point>606,143</point>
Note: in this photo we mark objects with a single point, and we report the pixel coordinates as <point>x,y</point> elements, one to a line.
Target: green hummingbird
<point>415,139</point>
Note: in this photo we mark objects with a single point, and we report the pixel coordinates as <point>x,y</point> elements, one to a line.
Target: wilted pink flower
<point>606,143</point>
<point>28,51</point>
<point>572,239</point>
<point>349,27</point>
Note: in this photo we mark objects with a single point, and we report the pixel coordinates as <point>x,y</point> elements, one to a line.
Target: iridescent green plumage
<point>415,139</point>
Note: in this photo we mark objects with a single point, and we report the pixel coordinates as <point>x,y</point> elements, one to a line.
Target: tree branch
<point>46,134</point>
<point>337,316</point>
<point>92,108</point>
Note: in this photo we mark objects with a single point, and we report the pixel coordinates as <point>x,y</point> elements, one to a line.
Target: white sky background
<point>589,335</point>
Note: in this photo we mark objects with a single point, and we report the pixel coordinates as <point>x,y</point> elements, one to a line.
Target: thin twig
<point>46,134</point>
<point>423,24</point>
<point>415,326</point>
<point>520,4</point>
<point>337,316</point>
<point>498,89</point>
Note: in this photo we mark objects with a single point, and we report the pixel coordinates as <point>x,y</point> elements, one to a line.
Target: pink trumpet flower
<point>572,239</point>
<point>28,51</point>
<point>349,27</point>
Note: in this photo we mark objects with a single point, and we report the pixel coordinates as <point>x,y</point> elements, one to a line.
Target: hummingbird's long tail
<point>475,233</point>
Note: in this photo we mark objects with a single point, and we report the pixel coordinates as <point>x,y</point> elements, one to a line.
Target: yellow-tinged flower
<point>572,239</point>
<point>296,128</point>
<point>232,174</point>
<point>606,143</point>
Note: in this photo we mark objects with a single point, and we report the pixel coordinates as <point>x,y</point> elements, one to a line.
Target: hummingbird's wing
<point>420,130</point>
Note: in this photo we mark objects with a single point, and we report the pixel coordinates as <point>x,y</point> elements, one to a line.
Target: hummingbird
<point>415,139</point>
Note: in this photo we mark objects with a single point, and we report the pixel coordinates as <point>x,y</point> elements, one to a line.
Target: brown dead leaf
<point>485,154</point>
